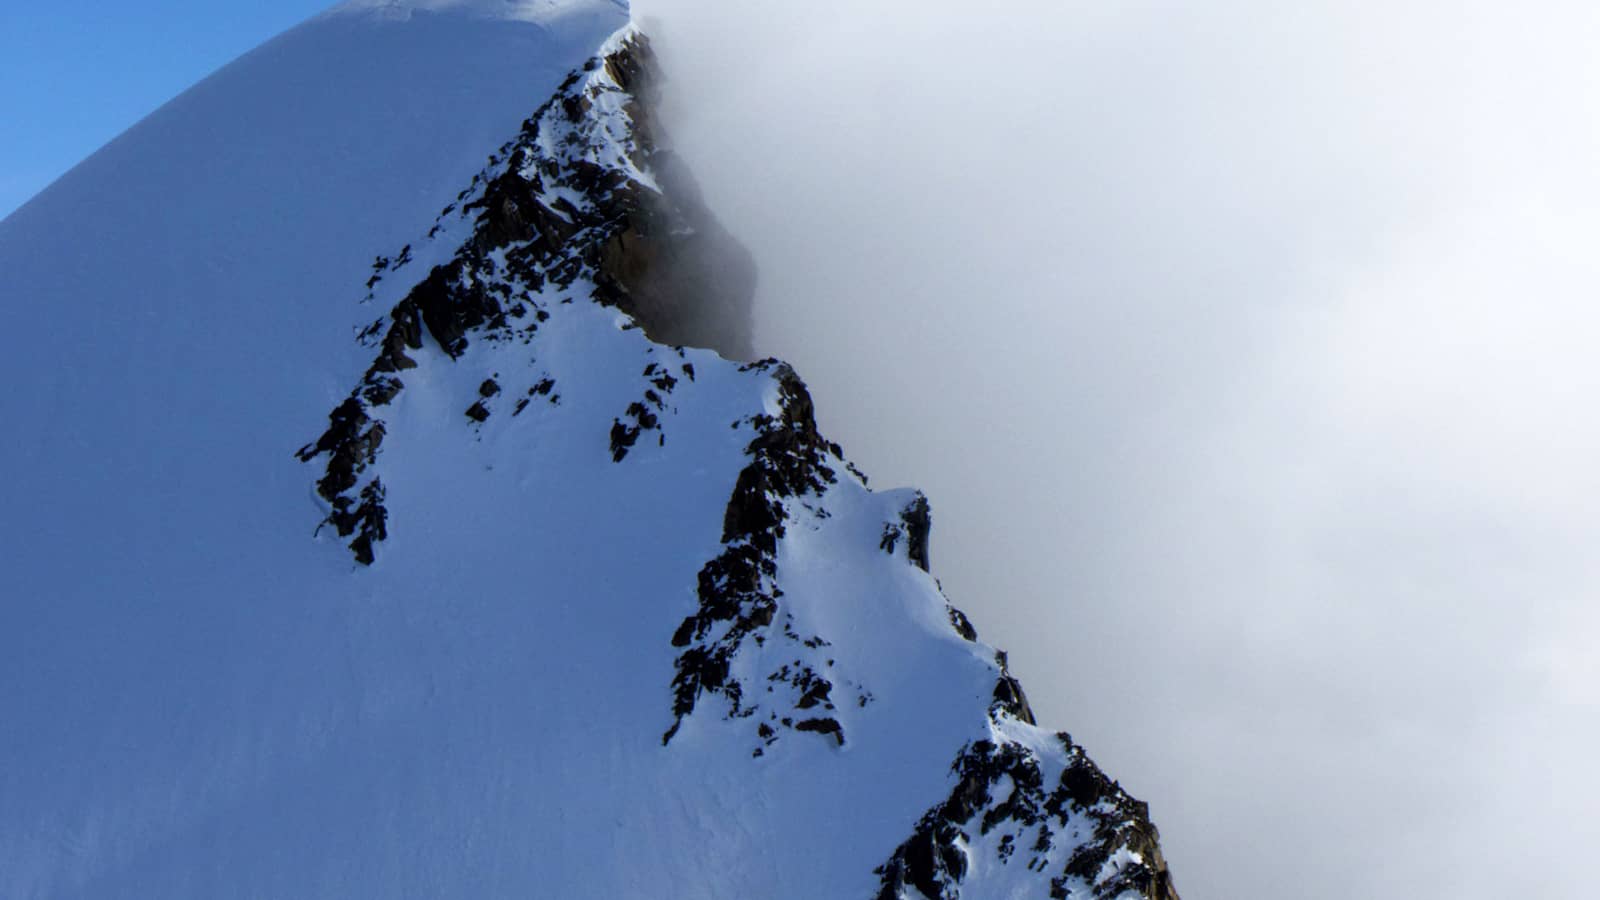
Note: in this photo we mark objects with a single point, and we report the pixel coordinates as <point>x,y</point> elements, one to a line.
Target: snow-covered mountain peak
<point>424,555</point>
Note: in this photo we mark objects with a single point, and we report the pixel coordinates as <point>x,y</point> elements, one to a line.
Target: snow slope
<point>548,609</point>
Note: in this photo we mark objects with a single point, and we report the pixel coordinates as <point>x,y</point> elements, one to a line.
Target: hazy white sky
<point>1246,352</point>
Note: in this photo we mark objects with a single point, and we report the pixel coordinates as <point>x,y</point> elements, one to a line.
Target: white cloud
<point>1246,352</point>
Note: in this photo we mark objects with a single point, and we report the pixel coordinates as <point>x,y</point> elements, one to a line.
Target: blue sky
<point>74,76</point>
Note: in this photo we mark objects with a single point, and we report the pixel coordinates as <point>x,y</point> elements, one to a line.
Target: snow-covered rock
<point>545,603</point>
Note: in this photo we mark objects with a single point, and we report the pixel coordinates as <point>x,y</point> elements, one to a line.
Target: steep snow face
<point>543,608</point>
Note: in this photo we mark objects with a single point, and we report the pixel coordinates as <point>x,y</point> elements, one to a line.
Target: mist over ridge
<point>1243,352</point>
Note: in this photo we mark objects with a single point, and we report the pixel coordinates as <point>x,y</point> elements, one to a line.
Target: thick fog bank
<point>1246,352</point>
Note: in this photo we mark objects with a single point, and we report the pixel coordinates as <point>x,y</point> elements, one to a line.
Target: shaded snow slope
<point>185,298</point>
<point>548,609</point>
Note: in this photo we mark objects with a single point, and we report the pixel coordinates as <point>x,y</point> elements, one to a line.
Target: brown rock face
<point>676,270</point>
<point>561,204</point>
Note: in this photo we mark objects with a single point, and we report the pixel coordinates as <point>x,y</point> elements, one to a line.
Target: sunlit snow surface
<point>201,699</point>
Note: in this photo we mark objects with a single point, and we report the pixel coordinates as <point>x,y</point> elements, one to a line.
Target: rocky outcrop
<point>915,522</point>
<point>1050,810</point>
<point>583,206</point>
<point>740,603</point>
<point>1077,829</point>
<point>583,198</point>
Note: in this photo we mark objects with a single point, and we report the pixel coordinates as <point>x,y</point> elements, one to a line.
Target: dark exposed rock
<point>451,306</point>
<point>1008,695</point>
<point>641,415</point>
<point>890,539</point>
<point>918,520</point>
<point>351,444</point>
<point>818,692</point>
<point>380,390</point>
<point>822,726</point>
<point>962,625</point>
<point>677,270</point>
<point>625,434</point>
<point>1035,816</point>
<point>368,521</point>
<point>658,255</point>
<point>739,600</point>
<point>914,524</point>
